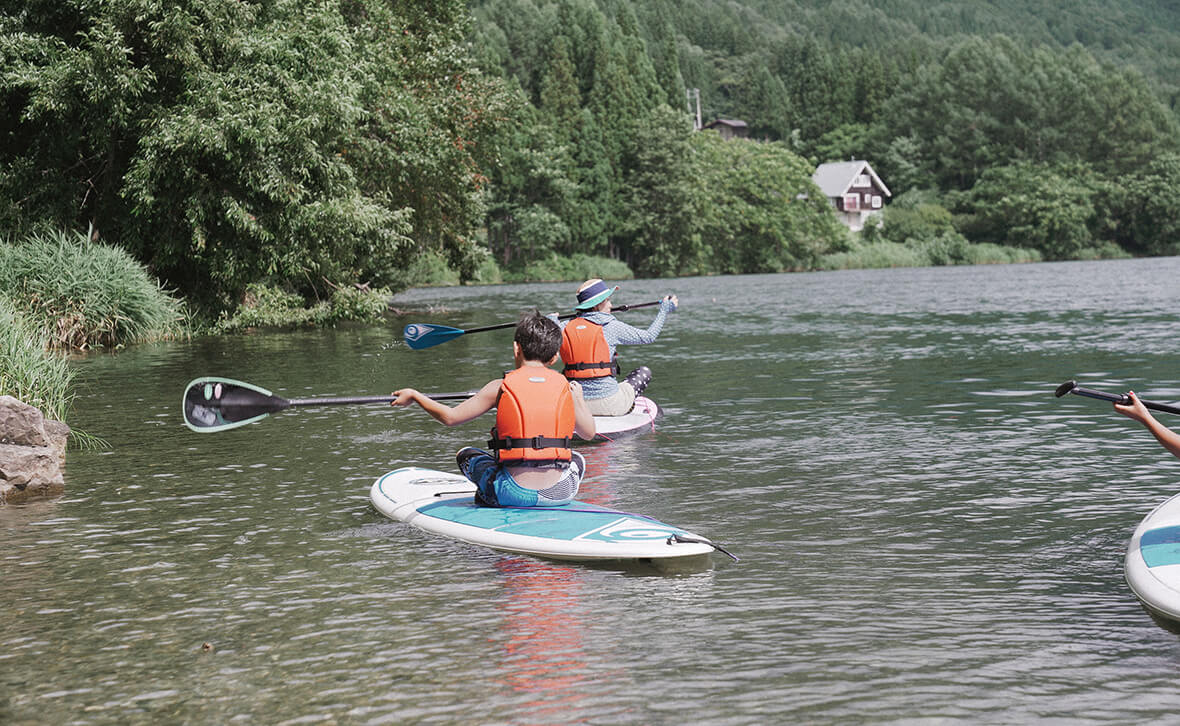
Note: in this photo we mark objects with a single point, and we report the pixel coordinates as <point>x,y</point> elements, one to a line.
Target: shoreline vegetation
<point>63,293</point>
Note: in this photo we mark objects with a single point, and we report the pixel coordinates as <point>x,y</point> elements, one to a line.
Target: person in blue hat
<point>588,345</point>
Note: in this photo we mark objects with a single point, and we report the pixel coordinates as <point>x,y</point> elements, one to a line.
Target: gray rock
<point>32,452</point>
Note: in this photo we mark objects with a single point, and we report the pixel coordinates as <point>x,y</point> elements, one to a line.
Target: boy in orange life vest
<point>588,349</point>
<point>537,414</point>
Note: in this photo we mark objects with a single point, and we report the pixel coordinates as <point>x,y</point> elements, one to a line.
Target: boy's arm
<point>583,419</point>
<point>469,410</point>
<point>1137,411</point>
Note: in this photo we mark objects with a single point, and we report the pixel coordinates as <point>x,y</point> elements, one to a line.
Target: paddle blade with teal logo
<point>425,335</point>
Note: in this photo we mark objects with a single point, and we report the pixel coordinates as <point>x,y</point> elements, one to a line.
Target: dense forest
<point>318,145</point>
<point>1048,126</point>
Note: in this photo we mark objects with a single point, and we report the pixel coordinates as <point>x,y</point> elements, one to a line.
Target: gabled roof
<point>731,122</point>
<point>835,178</point>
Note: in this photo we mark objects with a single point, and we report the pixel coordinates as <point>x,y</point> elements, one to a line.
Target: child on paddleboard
<point>537,414</point>
<point>1137,411</point>
<point>588,349</point>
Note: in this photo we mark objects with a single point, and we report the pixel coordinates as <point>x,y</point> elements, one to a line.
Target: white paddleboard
<point>641,417</point>
<point>444,503</point>
<point>1153,560</point>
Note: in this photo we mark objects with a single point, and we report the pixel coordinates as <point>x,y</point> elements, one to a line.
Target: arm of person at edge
<point>625,334</point>
<point>484,401</point>
<point>1137,411</point>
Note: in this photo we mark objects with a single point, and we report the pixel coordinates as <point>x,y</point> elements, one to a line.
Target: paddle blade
<point>425,335</point>
<point>217,404</point>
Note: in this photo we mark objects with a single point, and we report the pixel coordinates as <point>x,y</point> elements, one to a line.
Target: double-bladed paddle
<point>427,335</point>
<point>213,404</point>
<point>1123,399</point>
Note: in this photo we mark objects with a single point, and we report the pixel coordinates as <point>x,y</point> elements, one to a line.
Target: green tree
<point>1046,208</point>
<point>660,232</point>
<point>561,102</point>
<point>531,192</point>
<point>1144,214</point>
<point>762,212</point>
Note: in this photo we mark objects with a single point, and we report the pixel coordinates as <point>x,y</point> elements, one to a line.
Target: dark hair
<point>538,336</point>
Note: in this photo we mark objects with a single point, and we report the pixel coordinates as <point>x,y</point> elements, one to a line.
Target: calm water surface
<point>926,533</point>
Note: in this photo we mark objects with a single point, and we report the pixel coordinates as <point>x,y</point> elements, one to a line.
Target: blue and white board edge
<point>401,493</point>
<point>1152,565</point>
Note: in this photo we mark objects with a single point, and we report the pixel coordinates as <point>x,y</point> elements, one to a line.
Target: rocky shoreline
<point>32,453</point>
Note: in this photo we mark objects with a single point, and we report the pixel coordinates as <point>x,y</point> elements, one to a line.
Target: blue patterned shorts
<point>495,487</point>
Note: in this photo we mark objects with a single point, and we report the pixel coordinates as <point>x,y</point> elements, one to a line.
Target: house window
<point>876,201</point>
<point>851,202</point>
<point>862,180</point>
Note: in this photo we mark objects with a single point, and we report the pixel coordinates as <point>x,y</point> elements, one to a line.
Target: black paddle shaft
<point>563,316</point>
<point>1122,399</point>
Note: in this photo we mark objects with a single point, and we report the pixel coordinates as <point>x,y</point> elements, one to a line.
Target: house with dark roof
<point>729,128</point>
<point>854,190</point>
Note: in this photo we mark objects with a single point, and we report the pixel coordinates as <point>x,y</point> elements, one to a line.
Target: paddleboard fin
<point>681,538</point>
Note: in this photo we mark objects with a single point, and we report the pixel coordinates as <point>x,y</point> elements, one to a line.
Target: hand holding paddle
<point>1121,399</point>
<point>427,335</point>
<point>1134,408</point>
<point>213,404</point>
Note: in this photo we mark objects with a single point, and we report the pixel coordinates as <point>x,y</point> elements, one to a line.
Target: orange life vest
<point>534,419</point>
<point>584,351</point>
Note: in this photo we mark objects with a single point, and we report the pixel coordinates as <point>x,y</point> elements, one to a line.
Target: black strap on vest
<point>536,442</point>
<point>584,366</point>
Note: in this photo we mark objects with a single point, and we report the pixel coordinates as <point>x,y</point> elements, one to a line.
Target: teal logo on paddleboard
<point>629,529</point>
<point>1160,546</point>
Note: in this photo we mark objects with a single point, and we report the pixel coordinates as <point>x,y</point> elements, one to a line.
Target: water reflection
<point>544,655</point>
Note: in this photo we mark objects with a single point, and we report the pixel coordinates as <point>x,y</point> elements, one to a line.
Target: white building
<point>854,189</point>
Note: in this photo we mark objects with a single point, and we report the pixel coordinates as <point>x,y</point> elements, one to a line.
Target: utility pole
<point>692,93</point>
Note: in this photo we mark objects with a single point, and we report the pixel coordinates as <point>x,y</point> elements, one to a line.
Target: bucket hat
<point>593,292</point>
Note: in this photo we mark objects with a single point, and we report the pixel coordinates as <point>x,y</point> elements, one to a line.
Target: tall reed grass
<point>85,294</point>
<point>27,372</point>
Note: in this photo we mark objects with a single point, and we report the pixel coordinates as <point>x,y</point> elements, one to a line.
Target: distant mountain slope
<point>1144,34</point>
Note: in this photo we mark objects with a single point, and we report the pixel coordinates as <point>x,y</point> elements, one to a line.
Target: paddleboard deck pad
<point>641,417</point>
<point>444,503</point>
<point>1153,560</point>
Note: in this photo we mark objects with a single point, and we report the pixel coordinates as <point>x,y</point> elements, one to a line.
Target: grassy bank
<point>28,372</point>
<point>931,253</point>
<point>59,291</point>
<point>86,295</point>
<point>270,306</point>
<point>430,270</point>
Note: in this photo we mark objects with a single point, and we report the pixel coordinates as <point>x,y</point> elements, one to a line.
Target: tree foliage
<point>225,143</point>
<point>766,214</point>
<point>317,144</point>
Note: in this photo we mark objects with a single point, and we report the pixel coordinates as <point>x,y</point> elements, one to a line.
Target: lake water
<point>926,534</point>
